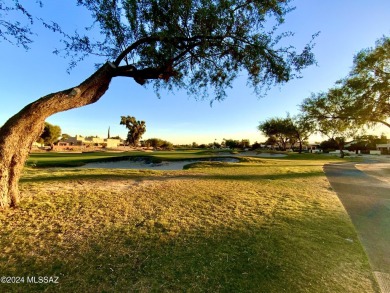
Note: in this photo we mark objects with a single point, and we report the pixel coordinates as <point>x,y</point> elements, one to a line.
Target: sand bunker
<point>142,165</point>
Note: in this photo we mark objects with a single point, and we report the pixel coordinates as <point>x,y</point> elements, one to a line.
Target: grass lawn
<point>256,226</point>
<point>53,159</point>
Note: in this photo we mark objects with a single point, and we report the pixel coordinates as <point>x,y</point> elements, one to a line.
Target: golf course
<point>257,225</point>
<point>200,146</point>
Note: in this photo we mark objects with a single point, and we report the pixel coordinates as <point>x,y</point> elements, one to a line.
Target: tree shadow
<point>153,257</point>
<point>140,175</point>
<point>249,177</point>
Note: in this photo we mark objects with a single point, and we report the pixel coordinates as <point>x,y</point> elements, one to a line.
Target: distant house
<point>112,142</point>
<point>384,148</point>
<point>313,148</point>
<point>91,141</point>
<point>77,140</point>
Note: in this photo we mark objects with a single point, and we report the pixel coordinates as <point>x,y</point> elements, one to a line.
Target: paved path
<point>367,201</point>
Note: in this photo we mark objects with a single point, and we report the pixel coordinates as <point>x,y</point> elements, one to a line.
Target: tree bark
<point>19,133</point>
<point>341,153</point>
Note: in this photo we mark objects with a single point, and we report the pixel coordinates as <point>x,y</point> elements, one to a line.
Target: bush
<point>256,146</point>
<point>158,143</point>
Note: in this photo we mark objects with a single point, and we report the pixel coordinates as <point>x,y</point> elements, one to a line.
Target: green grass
<point>257,226</point>
<point>53,159</point>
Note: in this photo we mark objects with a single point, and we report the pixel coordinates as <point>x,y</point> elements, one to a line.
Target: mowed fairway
<point>255,226</point>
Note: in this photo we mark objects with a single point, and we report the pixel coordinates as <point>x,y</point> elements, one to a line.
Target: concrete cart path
<point>367,201</point>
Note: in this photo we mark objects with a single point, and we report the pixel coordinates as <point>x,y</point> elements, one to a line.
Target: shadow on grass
<point>250,177</point>
<point>70,177</point>
<point>245,257</point>
<point>161,176</point>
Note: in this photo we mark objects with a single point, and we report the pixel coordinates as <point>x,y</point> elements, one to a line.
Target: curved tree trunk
<point>19,133</point>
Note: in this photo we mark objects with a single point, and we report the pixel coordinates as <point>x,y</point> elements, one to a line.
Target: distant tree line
<point>226,143</point>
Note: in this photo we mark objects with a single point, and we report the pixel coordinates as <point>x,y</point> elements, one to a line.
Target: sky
<point>346,27</point>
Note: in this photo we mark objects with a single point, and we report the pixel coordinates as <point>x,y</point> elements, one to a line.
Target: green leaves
<point>207,43</point>
<point>362,98</point>
<point>196,45</point>
<point>13,31</point>
<point>136,129</point>
<point>282,130</point>
<point>50,134</point>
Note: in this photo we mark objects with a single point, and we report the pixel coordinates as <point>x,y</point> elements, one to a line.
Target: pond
<point>146,165</point>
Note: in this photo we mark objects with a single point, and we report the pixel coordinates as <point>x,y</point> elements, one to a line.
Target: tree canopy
<point>338,131</point>
<point>16,23</point>
<point>136,129</point>
<point>303,128</point>
<point>282,129</point>
<point>50,134</point>
<point>194,45</point>
<point>12,30</point>
<point>363,96</point>
<point>157,143</point>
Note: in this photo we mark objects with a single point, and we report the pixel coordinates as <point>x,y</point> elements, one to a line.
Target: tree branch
<point>162,72</point>
<point>140,76</point>
<point>350,118</point>
<point>178,41</point>
<point>134,46</point>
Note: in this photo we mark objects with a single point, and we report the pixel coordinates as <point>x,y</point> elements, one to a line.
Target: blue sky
<point>346,27</point>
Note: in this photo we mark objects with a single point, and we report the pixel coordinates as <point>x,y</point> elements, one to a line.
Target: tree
<point>158,143</point>
<point>50,134</point>
<point>136,129</point>
<point>303,128</point>
<point>167,145</point>
<point>363,96</point>
<point>231,143</point>
<point>193,45</point>
<point>216,145</point>
<point>329,145</point>
<point>282,129</point>
<point>256,146</point>
<point>244,143</point>
<point>271,141</point>
<point>323,110</point>
<point>337,130</point>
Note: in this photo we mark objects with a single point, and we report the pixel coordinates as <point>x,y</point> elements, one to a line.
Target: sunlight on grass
<point>256,226</point>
